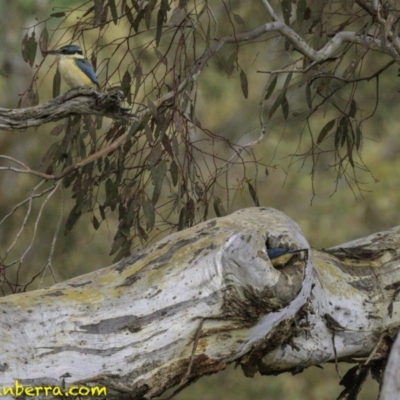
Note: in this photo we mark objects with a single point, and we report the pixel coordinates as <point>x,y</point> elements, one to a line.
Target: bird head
<point>70,51</point>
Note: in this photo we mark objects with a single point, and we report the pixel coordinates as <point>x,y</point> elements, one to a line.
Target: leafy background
<point>331,206</point>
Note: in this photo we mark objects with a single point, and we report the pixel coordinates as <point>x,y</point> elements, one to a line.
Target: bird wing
<point>278,251</point>
<point>87,68</point>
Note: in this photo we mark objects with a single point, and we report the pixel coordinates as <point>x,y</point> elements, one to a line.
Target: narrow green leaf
<point>286,6</point>
<point>111,192</point>
<point>173,169</point>
<point>102,212</point>
<point>161,19</point>
<point>244,84</point>
<point>24,50</point>
<point>126,86</point>
<point>271,86</point>
<point>100,164</point>
<point>238,19</point>
<point>155,154</point>
<point>119,240</point>
<point>135,5</point>
<point>69,179</point>
<point>175,145</point>
<point>113,9</point>
<point>33,97</point>
<point>300,12</point>
<point>96,8</point>
<point>138,20</point>
<point>325,130</point>
<point>50,154</point>
<point>149,213</point>
<point>343,125</point>
<point>99,121</point>
<point>287,81</point>
<point>158,175</point>
<point>199,190</point>
<point>57,130</point>
<point>182,219</point>
<point>98,12</point>
<point>95,222</point>
<point>350,146</point>
<point>253,194</point>
<point>276,104</point>
<point>82,148</point>
<point>129,15</point>
<point>358,137</point>
<point>288,45</point>
<point>141,232</point>
<point>131,213</point>
<point>282,96</point>
<point>230,62</point>
<point>353,108</point>
<point>124,252</point>
<point>148,12</point>
<point>72,219</point>
<point>285,108</point>
<point>153,108</point>
<point>166,142</point>
<point>44,39</point>
<point>134,129</point>
<point>205,213</point>
<point>89,125</point>
<point>341,132</point>
<point>218,207</point>
<point>337,137</point>
<point>123,5</point>
<point>58,14</point>
<point>56,84</point>
<point>186,215</point>
<point>308,96</point>
<point>178,15</point>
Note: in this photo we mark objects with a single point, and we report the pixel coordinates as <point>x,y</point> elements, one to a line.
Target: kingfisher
<point>280,256</point>
<point>75,69</point>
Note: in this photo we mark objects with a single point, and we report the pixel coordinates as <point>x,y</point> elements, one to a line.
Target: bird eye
<point>79,52</point>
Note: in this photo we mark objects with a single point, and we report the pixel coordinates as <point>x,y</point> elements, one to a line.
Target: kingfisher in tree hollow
<point>76,70</point>
<point>280,256</point>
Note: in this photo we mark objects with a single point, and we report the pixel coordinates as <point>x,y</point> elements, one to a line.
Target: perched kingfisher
<point>75,69</point>
<point>280,256</point>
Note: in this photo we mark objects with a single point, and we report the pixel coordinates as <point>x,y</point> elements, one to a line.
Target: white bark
<point>391,383</point>
<point>199,300</point>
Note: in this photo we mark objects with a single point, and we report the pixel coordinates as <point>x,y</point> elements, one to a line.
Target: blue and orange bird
<point>281,256</point>
<point>75,69</point>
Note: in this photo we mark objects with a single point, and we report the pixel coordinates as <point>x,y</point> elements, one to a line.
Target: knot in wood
<point>111,101</point>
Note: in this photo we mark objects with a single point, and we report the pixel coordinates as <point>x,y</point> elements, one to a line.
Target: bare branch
<point>79,101</point>
<point>317,56</point>
<point>270,10</point>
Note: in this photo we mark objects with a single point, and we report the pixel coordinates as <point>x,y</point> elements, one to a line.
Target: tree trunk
<point>201,299</point>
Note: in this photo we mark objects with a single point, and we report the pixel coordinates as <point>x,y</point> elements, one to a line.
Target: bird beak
<point>51,51</point>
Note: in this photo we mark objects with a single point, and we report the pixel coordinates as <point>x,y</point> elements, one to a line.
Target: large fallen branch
<point>201,299</point>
